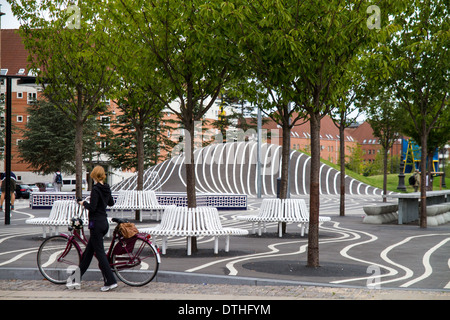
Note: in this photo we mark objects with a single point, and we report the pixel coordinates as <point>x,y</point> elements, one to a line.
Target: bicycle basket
<point>77,223</point>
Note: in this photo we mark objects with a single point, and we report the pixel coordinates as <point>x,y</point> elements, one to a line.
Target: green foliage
<point>47,143</point>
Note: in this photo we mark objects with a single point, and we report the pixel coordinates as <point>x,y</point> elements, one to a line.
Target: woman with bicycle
<point>100,198</point>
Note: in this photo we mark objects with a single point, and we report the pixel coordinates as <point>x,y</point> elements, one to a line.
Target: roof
<point>328,130</point>
<point>13,53</point>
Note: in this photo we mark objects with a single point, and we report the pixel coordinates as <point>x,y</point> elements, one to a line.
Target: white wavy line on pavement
<point>13,212</point>
<point>233,270</point>
<point>17,257</point>
<point>15,235</point>
<point>426,263</point>
<point>344,253</point>
<point>448,284</point>
<point>302,248</point>
<point>233,258</point>
<point>271,253</point>
<point>408,272</point>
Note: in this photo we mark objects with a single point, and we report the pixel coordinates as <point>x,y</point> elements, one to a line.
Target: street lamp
<point>22,80</point>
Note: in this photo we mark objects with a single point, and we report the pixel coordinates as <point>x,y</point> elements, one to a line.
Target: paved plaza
<point>357,260</point>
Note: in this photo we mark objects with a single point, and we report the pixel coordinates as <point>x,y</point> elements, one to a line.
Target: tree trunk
<point>190,170</point>
<point>140,162</point>
<point>342,164</point>
<point>79,148</point>
<point>285,154</point>
<point>423,174</point>
<point>314,198</point>
<point>385,162</point>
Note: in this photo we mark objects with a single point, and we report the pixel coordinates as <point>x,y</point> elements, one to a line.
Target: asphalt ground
<point>357,261</point>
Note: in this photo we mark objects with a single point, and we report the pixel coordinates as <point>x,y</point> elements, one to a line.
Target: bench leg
<point>44,233</point>
<point>280,229</point>
<point>164,244</point>
<point>216,244</point>
<point>189,248</point>
<point>253,227</point>
<point>227,243</point>
<point>259,228</point>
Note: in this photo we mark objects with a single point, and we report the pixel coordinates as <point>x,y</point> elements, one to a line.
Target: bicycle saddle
<point>119,220</point>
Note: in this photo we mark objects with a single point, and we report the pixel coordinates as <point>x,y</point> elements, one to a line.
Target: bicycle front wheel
<point>135,261</point>
<point>57,258</point>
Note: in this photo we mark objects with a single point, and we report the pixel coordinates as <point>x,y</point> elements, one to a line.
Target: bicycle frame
<point>76,236</point>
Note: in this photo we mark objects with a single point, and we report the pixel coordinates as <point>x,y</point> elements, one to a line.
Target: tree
<point>345,114</point>
<point>386,120</point>
<point>48,139</point>
<point>65,56</point>
<point>298,51</point>
<point>190,50</point>
<point>416,61</point>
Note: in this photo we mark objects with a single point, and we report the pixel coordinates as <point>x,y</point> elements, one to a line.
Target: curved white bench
<point>60,215</point>
<point>281,210</point>
<point>192,222</point>
<point>138,200</point>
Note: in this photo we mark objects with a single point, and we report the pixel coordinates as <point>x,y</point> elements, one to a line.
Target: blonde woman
<point>98,226</point>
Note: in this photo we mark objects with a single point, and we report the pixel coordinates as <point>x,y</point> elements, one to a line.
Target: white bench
<point>281,210</point>
<point>130,200</point>
<point>192,222</point>
<point>60,215</point>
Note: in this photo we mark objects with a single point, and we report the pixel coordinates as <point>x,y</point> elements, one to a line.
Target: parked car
<point>34,188</point>
<point>45,186</point>
<point>70,183</point>
<point>23,191</point>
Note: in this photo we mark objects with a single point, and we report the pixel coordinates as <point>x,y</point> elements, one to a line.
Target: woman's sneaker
<point>108,288</point>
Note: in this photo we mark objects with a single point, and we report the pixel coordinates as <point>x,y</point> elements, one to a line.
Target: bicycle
<point>135,261</point>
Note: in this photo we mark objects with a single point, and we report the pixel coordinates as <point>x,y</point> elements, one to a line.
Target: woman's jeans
<point>95,245</point>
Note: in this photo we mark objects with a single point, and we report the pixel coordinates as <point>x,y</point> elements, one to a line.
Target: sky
<point>8,20</point>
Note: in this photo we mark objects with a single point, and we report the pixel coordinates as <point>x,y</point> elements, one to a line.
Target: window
<point>21,71</point>
<point>31,98</point>
<point>3,72</point>
<point>19,95</point>
<point>105,121</point>
<point>104,144</point>
<point>19,118</point>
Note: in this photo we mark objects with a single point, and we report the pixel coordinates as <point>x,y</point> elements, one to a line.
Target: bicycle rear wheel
<point>135,261</point>
<point>57,259</point>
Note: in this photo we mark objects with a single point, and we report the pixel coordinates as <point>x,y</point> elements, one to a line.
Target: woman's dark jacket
<point>100,198</point>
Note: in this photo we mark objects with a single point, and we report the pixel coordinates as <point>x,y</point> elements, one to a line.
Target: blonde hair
<point>98,173</point>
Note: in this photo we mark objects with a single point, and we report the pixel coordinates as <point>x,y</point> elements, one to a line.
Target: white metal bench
<point>60,215</point>
<point>130,200</point>
<point>192,222</point>
<point>281,210</point>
